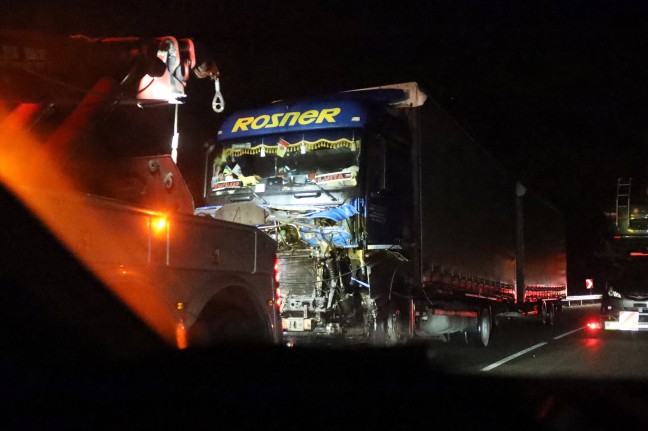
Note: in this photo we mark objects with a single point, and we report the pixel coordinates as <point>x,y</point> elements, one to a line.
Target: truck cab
<point>325,179</point>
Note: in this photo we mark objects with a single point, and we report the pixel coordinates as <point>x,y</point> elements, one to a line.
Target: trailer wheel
<point>482,333</point>
<point>551,315</point>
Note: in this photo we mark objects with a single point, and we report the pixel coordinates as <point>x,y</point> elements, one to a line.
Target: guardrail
<point>590,298</point>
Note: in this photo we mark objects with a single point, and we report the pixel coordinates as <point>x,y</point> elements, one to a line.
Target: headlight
<point>613,293</point>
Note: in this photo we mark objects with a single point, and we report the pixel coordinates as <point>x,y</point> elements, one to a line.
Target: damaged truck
<point>390,221</point>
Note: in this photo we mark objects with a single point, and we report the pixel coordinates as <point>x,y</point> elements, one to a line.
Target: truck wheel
<point>551,315</point>
<point>481,335</point>
<point>238,326</point>
<point>229,323</point>
<point>387,329</point>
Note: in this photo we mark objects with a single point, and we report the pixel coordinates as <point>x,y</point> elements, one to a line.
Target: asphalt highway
<point>545,378</point>
<point>527,348</point>
<point>568,349</point>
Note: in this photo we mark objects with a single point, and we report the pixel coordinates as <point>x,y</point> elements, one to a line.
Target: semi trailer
<point>391,222</point>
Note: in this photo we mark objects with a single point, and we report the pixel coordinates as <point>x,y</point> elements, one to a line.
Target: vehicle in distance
<point>624,304</point>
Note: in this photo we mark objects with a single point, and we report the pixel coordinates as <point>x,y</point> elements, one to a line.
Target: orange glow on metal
<point>58,143</point>
<point>30,172</point>
<point>638,253</point>
<point>159,224</point>
<point>181,336</point>
<point>440,312</point>
<point>159,88</point>
<point>19,119</point>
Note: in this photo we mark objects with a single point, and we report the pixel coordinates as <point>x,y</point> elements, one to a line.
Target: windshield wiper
<point>255,195</point>
<point>243,197</point>
<point>333,198</point>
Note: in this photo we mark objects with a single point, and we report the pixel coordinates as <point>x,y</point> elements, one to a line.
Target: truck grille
<point>298,272</point>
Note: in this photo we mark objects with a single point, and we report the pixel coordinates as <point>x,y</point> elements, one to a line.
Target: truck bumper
<point>627,321</point>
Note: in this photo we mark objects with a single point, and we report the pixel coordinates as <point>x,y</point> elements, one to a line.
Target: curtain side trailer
<point>390,221</point>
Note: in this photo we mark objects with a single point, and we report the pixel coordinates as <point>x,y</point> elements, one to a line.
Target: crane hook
<point>218,103</point>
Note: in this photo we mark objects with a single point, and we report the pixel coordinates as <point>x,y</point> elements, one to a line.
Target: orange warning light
<point>159,225</point>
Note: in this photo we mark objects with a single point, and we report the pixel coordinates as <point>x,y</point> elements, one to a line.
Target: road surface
<point>526,348</point>
<point>568,349</point>
<point>439,384</point>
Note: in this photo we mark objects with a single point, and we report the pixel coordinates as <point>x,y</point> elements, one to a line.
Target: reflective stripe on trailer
<point>628,321</point>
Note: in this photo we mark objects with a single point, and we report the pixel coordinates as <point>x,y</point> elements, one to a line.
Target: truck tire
<point>237,326</point>
<point>229,322</point>
<point>551,315</point>
<point>482,333</point>
<point>387,329</point>
<point>543,313</point>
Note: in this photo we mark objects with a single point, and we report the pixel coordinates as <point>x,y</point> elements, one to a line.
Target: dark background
<point>556,91</point>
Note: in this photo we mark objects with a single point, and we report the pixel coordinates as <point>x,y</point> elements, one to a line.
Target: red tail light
<point>278,297</point>
<point>277,274</point>
<point>277,279</point>
<point>594,325</point>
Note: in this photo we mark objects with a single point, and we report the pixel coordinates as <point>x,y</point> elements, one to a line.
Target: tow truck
<point>193,280</point>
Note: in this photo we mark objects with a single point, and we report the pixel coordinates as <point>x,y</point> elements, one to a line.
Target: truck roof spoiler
<point>414,96</point>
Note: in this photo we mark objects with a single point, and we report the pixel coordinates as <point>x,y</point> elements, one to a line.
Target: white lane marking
<point>527,350</point>
<point>513,356</point>
<point>567,333</point>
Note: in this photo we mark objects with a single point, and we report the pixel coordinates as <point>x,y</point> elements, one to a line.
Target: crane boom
<point>39,68</point>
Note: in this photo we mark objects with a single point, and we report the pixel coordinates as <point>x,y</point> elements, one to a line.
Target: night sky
<point>556,91</point>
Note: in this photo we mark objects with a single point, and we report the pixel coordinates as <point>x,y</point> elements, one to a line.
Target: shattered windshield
<point>288,162</point>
